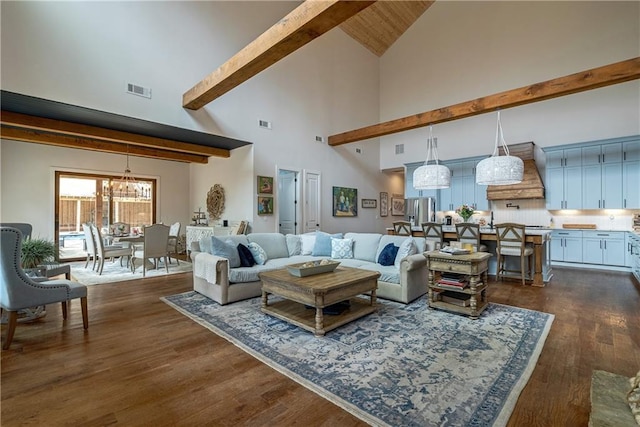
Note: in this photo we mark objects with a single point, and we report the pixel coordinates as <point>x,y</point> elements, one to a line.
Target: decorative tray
<point>310,268</point>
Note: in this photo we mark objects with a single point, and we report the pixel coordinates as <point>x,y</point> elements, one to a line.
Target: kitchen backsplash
<point>534,212</point>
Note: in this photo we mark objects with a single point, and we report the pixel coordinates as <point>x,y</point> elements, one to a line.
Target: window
<point>102,200</point>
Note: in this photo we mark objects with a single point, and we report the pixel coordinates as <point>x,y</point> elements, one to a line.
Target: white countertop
<point>535,231</point>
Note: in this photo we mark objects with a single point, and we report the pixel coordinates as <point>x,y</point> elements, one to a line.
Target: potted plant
<point>37,252</point>
<point>465,211</point>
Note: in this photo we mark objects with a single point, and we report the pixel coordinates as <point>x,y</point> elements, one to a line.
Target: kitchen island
<point>539,237</point>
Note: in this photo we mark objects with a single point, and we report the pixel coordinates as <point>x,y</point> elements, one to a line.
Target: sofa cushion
<point>225,250</point>
<point>365,245</point>
<point>307,240</point>
<point>322,247</point>
<point>388,255</point>
<point>407,247</point>
<point>341,248</point>
<point>259,255</point>
<point>246,258</point>
<point>274,244</point>
<point>294,244</point>
<point>236,239</point>
<point>247,274</point>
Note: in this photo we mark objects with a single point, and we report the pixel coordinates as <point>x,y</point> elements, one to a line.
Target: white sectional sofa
<point>404,281</point>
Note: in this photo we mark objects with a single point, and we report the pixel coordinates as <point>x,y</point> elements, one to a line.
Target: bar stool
<point>469,232</point>
<point>432,235</point>
<point>511,242</point>
<point>402,228</point>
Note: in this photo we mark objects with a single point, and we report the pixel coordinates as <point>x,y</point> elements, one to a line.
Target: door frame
<point>299,217</point>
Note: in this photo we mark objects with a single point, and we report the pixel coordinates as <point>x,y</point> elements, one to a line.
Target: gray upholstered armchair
<point>18,291</point>
<point>24,228</point>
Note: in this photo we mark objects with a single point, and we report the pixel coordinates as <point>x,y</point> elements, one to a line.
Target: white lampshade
<point>497,169</point>
<point>434,176</point>
<point>431,177</point>
<point>500,170</point>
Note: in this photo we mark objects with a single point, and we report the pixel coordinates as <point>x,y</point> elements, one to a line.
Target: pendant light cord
<point>500,137</point>
<point>431,147</point>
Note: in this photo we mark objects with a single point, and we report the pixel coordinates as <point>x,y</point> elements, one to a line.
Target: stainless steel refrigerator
<point>419,210</point>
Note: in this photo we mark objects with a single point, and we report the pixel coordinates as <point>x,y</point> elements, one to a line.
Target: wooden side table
<point>473,266</point>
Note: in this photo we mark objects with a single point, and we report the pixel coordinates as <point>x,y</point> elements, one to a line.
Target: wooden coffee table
<point>319,291</point>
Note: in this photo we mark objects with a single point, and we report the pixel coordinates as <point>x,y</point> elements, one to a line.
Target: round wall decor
<point>215,202</point>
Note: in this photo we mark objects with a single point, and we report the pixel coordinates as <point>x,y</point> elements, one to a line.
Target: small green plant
<point>37,252</point>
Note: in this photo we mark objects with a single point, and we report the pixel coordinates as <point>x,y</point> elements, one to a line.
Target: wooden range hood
<point>531,186</point>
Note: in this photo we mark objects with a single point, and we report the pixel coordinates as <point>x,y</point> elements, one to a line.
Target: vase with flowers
<point>465,211</point>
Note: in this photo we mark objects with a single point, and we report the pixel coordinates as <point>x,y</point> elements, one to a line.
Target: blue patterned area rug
<point>405,365</point>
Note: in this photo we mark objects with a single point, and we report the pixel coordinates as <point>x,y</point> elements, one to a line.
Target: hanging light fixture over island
<point>497,169</point>
<point>431,176</point>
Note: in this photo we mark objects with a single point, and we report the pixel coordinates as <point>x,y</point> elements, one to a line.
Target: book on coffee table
<point>448,250</point>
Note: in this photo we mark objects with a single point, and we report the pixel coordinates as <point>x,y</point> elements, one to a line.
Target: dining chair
<point>18,291</point>
<point>172,247</point>
<point>91,246</point>
<point>103,252</point>
<point>156,239</point>
<point>402,228</point>
<point>511,242</point>
<point>432,235</point>
<point>469,232</point>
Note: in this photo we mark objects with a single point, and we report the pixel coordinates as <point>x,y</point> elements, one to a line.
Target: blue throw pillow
<point>322,246</point>
<point>259,255</point>
<point>388,255</point>
<point>246,259</point>
<point>225,250</point>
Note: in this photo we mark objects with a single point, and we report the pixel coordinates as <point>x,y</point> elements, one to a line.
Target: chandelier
<point>127,186</point>
<point>434,176</point>
<point>497,169</point>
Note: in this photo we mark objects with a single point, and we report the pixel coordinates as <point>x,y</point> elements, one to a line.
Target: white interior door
<point>312,199</point>
<point>287,201</point>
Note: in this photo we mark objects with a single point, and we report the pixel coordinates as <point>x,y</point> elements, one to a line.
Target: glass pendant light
<point>434,176</point>
<point>497,169</point>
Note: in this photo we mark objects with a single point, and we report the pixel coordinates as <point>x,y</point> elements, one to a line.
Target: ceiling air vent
<point>399,148</point>
<point>139,90</point>
<point>264,124</point>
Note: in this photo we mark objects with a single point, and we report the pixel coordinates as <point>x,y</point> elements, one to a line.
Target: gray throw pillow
<point>322,246</point>
<point>205,244</point>
<point>225,250</point>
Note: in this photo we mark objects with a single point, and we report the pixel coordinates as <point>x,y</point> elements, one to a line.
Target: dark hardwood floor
<point>143,363</point>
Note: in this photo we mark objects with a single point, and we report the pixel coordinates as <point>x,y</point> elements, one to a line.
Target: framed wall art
<point>265,205</point>
<point>265,184</point>
<point>369,203</point>
<point>397,206</point>
<point>345,201</point>
<point>384,204</point>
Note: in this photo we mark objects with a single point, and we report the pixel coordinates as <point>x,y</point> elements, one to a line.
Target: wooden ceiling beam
<point>594,78</point>
<point>25,121</point>
<point>305,23</point>
<point>85,143</point>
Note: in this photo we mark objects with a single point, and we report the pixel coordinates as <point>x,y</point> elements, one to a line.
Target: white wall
<point>83,53</point>
<point>459,51</point>
<point>28,180</point>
